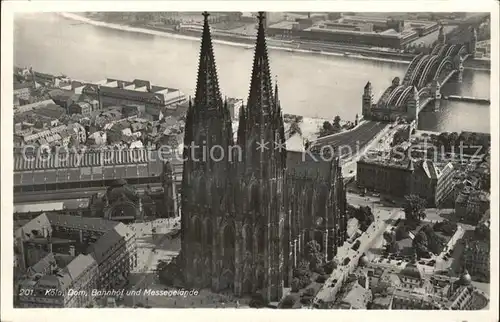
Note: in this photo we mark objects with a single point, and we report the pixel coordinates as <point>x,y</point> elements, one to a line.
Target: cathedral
<point>246,216</point>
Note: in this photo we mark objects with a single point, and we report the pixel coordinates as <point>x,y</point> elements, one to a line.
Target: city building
<point>83,108</point>
<point>354,30</point>
<point>22,91</point>
<point>30,210</point>
<point>395,175</point>
<point>32,106</point>
<point>431,183</point>
<point>410,288</point>
<point>62,258</point>
<point>92,169</point>
<point>381,172</point>
<point>246,223</point>
<point>354,297</point>
<point>476,257</point>
<point>60,133</point>
<point>64,97</point>
<point>471,204</point>
<point>118,92</point>
<point>406,108</point>
<point>411,276</point>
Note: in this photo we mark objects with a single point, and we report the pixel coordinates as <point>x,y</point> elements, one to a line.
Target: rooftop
<point>69,267</point>
<point>413,271</point>
<point>51,206</point>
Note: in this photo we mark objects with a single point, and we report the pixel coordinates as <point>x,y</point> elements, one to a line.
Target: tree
<point>336,121</point>
<point>330,266</point>
<point>414,208</point>
<point>442,140</point>
<point>322,278</point>
<point>288,302</point>
<point>453,139</point>
<point>302,269</point>
<point>392,247</point>
<point>295,129</point>
<point>314,256</point>
<point>420,244</point>
<point>309,291</point>
<point>295,285</point>
<point>381,288</point>
<point>327,126</point>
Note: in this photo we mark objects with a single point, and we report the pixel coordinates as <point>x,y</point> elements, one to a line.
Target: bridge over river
<point>420,85</point>
<point>404,99</point>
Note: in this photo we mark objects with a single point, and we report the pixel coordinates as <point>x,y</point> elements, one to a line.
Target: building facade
<point>113,92</point>
<point>399,178</point>
<point>476,258</point>
<point>92,169</point>
<point>471,204</point>
<point>405,109</point>
<point>245,218</point>
<point>53,254</point>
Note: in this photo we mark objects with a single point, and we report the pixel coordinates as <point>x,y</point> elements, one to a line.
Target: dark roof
<point>22,85</point>
<point>75,84</point>
<point>97,173</point>
<point>96,159</point>
<point>84,223</point>
<point>61,94</point>
<point>44,76</point>
<point>411,270</point>
<point>51,111</point>
<point>124,210</point>
<point>300,164</point>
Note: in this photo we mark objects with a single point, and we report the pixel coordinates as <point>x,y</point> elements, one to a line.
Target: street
<point>150,249</point>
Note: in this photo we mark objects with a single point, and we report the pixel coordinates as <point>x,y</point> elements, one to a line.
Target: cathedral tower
<point>441,35</point>
<point>208,135</point>
<point>367,100</point>
<point>246,219</point>
<point>259,253</point>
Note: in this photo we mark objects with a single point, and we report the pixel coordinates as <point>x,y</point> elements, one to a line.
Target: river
<point>312,85</point>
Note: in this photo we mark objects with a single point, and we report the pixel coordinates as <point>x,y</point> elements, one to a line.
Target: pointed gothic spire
<point>228,122</point>
<point>280,124</point>
<point>260,100</point>
<point>188,127</point>
<point>207,93</point>
<point>276,97</point>
<point>241,127</point>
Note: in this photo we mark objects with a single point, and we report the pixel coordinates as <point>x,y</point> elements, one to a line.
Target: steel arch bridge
<point>437,67</point>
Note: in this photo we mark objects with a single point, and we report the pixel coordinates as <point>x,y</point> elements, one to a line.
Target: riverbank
<point>248,42</point>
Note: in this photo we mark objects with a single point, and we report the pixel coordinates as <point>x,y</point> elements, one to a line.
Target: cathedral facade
<point>246,218</point>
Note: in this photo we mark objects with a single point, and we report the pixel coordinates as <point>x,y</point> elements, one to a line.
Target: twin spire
<point>261,97</point>
<point>207,92</point>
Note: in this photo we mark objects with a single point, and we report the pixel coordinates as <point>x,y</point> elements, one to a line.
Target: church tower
<point>208,135</point>
<point>367,100</point>
<point>472,42</point>
<point>169,191</point>
<point>413,106</point>
<point>441,35</point>
<point>246,218</point>
<point>260,254</point>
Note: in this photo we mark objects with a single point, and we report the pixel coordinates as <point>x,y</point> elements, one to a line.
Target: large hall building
<point>246,216</point>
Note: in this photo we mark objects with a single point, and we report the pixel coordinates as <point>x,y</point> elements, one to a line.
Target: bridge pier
<point>437,104</point>
<point>460,74</point>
